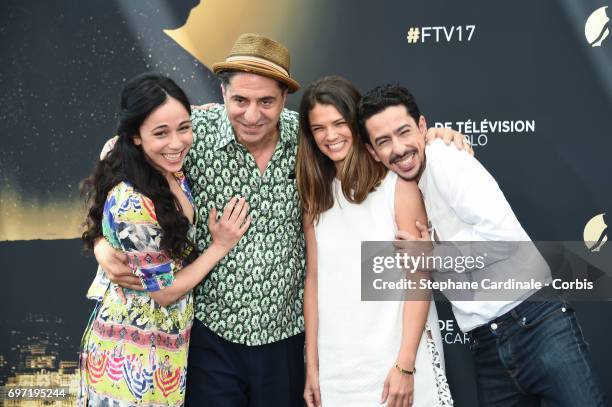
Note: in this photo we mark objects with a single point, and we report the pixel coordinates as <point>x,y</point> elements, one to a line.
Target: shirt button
<point>563,309</point>
<point>494,326</point>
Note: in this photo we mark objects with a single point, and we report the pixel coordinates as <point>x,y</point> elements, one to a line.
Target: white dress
<point>359,341</point>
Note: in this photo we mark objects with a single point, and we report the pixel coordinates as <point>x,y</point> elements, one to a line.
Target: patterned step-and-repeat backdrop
<point>530,83</point>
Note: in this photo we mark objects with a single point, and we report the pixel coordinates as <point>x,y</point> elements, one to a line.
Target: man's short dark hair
<point>226,76</point>
<point>382,97</point>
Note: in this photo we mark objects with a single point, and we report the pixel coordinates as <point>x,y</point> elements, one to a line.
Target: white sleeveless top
<point>359,341</point>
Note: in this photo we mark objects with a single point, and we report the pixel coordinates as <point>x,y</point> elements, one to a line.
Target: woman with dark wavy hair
<point>134,350</point>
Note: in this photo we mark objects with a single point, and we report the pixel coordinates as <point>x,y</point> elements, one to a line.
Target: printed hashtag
<point>414,33</point>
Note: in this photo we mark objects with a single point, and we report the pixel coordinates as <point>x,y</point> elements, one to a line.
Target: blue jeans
<point>534,353</point>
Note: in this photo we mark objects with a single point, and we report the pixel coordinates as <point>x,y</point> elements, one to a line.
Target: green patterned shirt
<point>254,295</point>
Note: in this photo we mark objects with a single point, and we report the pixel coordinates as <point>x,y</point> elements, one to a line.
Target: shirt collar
<point>226,132</point>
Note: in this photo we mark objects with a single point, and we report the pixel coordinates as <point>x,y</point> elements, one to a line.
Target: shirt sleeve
<point>475,198</point>
<point>473,194</point>
<point>130,224</point>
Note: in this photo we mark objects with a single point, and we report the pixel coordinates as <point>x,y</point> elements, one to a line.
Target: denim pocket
<point>551,311</point>
<point>575,326</point>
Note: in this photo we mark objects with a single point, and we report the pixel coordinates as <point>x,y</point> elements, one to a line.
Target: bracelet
<point>404,371</point>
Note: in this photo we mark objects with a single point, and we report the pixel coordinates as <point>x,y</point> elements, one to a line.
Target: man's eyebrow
<point>378,138</point>
<point>403,127</point>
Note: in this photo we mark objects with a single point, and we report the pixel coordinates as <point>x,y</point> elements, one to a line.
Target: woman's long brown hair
<point>315,172</point>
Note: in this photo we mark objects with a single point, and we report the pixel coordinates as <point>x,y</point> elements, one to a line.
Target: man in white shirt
<point>528,349</point>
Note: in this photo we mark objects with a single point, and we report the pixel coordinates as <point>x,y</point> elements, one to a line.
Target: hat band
<point>261,61</point>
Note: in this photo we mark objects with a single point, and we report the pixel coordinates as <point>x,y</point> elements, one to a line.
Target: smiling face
<point>398,141</point>
<point>165,136</point>
<point>254,104</point>
<point>331,133</point>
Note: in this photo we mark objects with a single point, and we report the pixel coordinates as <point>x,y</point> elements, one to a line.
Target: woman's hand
<point>312,393</point>
<point>398,389</point>
<point>448,136</point>
<point>227,231</point>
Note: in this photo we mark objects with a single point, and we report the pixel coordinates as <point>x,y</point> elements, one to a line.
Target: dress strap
<point>388,187</point>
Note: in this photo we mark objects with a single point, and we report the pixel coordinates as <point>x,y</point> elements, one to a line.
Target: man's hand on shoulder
<point>108,146</point>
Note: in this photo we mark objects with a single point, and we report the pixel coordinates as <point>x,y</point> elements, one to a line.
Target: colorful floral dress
<point>136,353</point>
